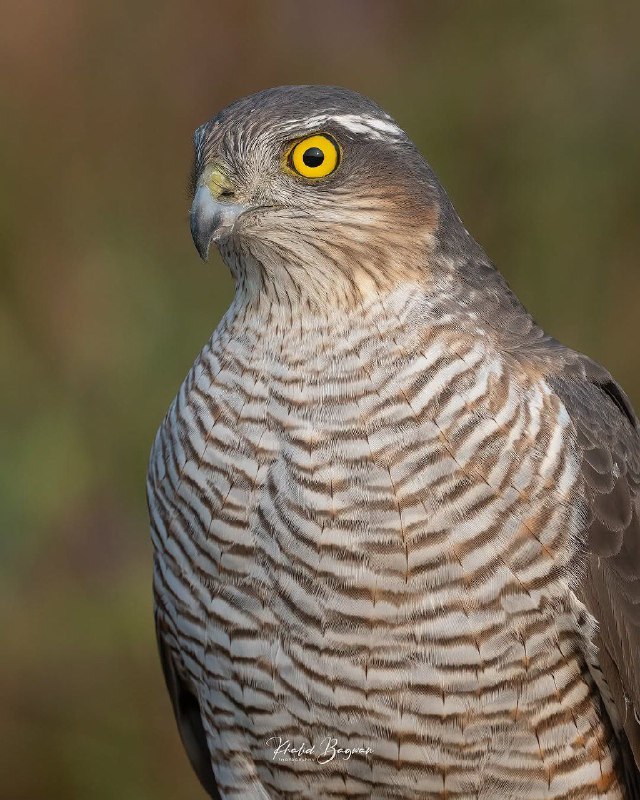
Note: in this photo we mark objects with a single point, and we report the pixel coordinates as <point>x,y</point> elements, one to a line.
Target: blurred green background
<point>528,112</point>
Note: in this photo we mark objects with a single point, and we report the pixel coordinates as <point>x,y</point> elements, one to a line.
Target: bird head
<point>314,191</point>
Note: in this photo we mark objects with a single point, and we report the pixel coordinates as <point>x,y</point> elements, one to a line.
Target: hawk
<point>396,526</point>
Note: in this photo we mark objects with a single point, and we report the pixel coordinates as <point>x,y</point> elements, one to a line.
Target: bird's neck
<point>332,287</point>
<point>290,276</point>
<point>267,325</point>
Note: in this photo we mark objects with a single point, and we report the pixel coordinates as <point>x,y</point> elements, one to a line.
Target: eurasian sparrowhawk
<point>396,525</point>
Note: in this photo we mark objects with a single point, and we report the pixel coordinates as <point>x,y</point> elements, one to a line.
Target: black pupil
<point>313,157</point>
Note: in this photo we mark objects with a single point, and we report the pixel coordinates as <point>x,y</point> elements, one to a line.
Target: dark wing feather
<point>187,712</point>
<point>608,440</point>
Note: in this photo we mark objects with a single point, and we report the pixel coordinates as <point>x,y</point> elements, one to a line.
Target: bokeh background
<point>530,114</point>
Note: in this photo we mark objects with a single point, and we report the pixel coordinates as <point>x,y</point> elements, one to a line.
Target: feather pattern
<point>389,514</point>
<point>368,530</point>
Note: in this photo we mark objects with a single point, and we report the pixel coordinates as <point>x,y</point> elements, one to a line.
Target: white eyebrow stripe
<point>309,122</point>
<point>372,127</point>
<point>368,125</point>
<point>387,126</point>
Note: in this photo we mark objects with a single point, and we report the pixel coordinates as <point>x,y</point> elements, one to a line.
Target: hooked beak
<point>212,218</point>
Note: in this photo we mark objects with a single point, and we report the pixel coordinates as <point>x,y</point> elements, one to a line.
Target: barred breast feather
<point>366,527</point>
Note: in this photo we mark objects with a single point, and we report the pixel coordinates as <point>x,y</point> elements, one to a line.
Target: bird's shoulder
<point>605,437</point>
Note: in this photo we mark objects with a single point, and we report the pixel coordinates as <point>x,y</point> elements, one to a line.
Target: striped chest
<point>363,530</point>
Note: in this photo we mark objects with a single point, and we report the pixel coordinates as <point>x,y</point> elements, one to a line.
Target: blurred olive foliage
<point>529,113</point>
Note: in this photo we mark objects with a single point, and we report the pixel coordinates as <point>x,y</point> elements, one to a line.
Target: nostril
<point>226,193</point>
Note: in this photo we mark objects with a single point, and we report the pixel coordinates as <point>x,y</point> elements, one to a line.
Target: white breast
<point>363,529</point>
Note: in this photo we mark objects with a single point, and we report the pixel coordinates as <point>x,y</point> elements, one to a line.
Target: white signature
<point>328,749</point>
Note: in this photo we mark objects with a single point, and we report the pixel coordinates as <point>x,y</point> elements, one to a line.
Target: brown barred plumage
<point>369,499</point>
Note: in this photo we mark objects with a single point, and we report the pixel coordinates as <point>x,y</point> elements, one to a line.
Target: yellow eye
<point>314,157</point>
